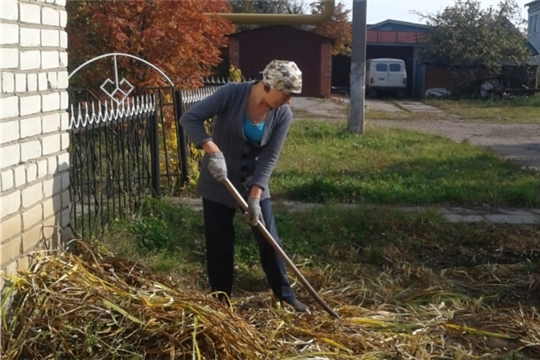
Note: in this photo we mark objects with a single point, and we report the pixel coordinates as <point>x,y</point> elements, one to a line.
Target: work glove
<point>217,166</point>
<point>254,213</point>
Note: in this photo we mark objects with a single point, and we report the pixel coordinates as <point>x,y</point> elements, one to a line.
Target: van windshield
<point>395,67</point>
<point>381,67</point>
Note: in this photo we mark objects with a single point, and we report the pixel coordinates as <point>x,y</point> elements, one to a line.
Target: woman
<point>251,123</point>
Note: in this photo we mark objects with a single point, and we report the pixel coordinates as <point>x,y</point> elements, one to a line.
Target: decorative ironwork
<point>86,114</point>
<point>193,96</point>
<point>115,56</point>
<point>116,145</point>
<point>126,146</point>
<point>112,160</point>
<point>117,89</point>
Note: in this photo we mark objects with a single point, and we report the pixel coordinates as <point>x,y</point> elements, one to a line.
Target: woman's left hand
<point>254,213</point>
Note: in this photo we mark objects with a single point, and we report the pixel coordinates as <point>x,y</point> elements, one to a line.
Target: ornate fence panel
<point>126,143</point>
<point>114,160</point>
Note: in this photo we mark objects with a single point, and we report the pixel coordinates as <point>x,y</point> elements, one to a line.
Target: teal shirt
<point>253,132</point>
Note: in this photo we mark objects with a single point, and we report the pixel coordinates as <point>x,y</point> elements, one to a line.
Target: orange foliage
<point>176,36</point>
<point>338,27</point>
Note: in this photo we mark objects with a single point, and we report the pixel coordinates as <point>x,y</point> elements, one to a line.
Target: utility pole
<point>358,67</point>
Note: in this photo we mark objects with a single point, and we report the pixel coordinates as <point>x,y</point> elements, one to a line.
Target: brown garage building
<point>251,50</point>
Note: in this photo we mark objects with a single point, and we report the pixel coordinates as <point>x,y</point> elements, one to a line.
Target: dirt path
<point>516,142</point>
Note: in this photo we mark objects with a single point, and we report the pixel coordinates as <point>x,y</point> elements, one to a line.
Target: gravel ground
<point>515,142</point>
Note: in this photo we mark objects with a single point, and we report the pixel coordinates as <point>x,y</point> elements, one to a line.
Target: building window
<point>530,27</point>
<point>536,25</point>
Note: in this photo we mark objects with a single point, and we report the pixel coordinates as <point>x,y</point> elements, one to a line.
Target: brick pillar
<point>234,53</point>
<point>326,70</point>
<point>34,161</point>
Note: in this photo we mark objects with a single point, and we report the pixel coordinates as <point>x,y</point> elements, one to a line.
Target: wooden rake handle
<point>236,195</point>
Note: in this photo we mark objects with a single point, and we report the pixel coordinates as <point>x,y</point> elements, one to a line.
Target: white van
<point>388,75</point>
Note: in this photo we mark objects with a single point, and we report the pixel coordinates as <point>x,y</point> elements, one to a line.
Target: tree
<point>338,27</point>
<point>176,36</point>
<point>475,42</point>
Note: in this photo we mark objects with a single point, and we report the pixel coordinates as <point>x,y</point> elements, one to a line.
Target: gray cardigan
<point>248,164</point>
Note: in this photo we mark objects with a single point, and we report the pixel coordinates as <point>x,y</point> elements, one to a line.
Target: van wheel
<point>401,94</point>
<point>372,93</point>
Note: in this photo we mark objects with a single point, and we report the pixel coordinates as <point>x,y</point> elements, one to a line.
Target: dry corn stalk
<point>88,304</point>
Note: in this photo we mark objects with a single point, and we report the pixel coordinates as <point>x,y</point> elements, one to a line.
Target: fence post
<point>154,150</point>
<point>181,137</point>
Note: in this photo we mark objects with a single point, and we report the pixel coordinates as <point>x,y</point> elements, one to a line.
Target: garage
<point>390,39</point>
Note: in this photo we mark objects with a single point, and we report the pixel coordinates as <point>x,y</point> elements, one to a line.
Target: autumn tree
<point>338,27</point>
<point>176,36</point>
<point>475,42</point>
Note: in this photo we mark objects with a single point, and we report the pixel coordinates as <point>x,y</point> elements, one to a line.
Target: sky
<point>380,10</point>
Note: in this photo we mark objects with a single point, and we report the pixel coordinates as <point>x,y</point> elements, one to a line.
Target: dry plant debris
<point>87,304</point>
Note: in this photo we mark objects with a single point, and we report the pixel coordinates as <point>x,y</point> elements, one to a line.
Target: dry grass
<point>90,304</point>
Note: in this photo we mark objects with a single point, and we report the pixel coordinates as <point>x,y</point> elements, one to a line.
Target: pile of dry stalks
<point>87,304</point>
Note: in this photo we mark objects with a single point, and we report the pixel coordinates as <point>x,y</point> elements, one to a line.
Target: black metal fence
<point>112,160</point>
<point>122,151</point>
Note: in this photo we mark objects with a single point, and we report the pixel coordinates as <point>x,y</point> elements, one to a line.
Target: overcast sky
<point>380,10</point>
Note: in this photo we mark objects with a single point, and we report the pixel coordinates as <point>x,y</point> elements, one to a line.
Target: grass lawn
<point>323,162</point>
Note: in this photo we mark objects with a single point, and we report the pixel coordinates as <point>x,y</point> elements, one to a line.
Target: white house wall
<point>34,161</point>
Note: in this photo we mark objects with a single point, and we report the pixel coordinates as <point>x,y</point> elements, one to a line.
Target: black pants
<point>219,233</point>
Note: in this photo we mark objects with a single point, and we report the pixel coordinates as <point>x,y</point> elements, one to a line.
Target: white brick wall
<point>50,59</point>
<point>9,106</point>
<point>50,16</point>
<point>9,34</point>
<point>9,131</point>
<point>11,155</point>
<point>20,177</point>
<point>20,82</point>
<point>30,37</point>
<point>7,180</point>
<point>30,13</point>
<point>9,57</point>
<point>42,81</point>
<point>29,104</point>
<point>34,162</point>
<point>8,82</point>
<point>10,10</point>
<point>30,60</point>
<point>50,38</point>
<point>30,127</point>
<point>51,102</point>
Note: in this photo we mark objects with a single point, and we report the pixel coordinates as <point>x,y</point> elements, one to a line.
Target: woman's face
<point>277,98</point>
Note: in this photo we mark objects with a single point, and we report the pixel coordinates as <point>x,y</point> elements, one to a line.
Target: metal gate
<point>125,145</point>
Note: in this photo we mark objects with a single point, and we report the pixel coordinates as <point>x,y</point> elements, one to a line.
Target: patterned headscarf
<point>283,75</point>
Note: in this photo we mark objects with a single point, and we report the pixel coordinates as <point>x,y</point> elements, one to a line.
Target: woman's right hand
<point>216,161</point>
<point>217,165</point>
